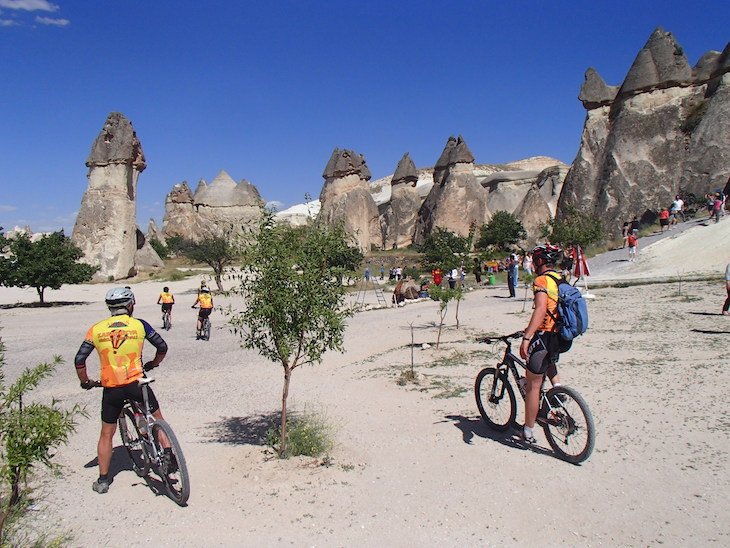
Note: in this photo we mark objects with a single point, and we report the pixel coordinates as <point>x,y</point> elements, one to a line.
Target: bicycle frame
<point>509,364</point>
<point>144,412</point>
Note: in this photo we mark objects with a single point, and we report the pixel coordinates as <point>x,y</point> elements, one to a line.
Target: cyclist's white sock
<point>556,384</point>
<point>528,432</point>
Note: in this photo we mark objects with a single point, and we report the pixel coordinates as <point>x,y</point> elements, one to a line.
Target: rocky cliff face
<point>216,209</point>
<point>106,225</point>
<point>346,198</point>
<point>665,130</point>
<point>456,200</point>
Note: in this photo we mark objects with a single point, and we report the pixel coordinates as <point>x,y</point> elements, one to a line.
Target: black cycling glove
<point>149,366</point>
<point>88,385</point>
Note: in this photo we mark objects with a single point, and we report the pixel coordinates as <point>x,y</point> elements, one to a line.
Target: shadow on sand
<point>471,427</point>
<point>52,304</point>
<point>243,430</point>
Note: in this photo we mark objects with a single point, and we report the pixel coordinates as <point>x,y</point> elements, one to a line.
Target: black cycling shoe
<point>101,486</point>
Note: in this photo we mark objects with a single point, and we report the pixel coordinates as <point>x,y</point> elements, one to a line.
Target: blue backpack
<point>572,317</point>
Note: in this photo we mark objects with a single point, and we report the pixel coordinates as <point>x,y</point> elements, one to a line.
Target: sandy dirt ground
<point>413,464</point>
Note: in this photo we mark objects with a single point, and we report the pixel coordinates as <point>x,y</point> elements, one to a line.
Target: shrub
<point>160,248</point>
<point>308,435</point>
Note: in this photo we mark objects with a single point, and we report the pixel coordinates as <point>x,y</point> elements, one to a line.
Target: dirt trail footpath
<point>692,248</point>
<point>413,464</point>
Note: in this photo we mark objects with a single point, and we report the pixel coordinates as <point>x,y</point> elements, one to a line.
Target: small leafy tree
<point>28,433</point>
<point>573,228</point>
<point>217,252</point>
<point>443,296</point>
<point>294,298</point>
<point>444,249</point>
<point>48,262</point>
<point>502,231</point>
<point>160,248</point>
<point>177,245</point>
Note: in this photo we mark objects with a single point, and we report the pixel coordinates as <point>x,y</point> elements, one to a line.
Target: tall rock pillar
<point>346,198</point>
<point>106,225</point>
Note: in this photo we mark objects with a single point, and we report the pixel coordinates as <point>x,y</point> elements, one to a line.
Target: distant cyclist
<point>118,341</point>
<point>205,300</point>
<point>166,299</point>
<point>541,344</point>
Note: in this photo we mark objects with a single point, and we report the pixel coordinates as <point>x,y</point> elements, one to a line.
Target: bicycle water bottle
<point>141,423</point>
<point>522,384</point>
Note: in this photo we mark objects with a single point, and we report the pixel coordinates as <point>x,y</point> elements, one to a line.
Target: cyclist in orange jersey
<point>166,299</point>
<point>118,341</point>
<point>205,300</point>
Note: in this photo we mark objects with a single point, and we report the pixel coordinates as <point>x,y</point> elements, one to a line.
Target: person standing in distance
<point>118,341</point>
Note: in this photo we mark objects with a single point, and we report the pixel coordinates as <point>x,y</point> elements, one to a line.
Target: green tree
<point>444,296</point>
<point>177,245</point>
<point>160,248</point>
<point>573,228</point>
<point>502,231</point>
<point>444,249</point>
<point>217,252</point>
<point>294,298</point>
<point>28,433</point>
<point>48,262</point>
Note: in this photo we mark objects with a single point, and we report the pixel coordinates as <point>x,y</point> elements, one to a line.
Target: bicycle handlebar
<point>504,338</point>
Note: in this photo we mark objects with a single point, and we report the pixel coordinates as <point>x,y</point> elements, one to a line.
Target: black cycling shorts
<point>204,312</point>
<point>113,400</point>
<point>167,307</point>
<point>544,351</point>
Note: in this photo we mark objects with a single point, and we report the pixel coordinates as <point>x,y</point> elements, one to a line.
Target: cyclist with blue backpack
<point>541,342</point>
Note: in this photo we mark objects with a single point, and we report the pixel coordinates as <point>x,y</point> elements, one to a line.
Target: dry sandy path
<point>413,465</point>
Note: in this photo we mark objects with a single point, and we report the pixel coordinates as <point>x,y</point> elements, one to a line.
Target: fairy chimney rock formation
<point>594,92</point>
<point>661,63</point>
<point>106,225</point>
<point>667,132</point>
<point>345,197</point>
<point>221,208</point>
<point>456,201</point>
<point>401,214</point>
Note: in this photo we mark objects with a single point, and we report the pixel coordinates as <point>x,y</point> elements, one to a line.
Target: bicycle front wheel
<point>495,398</point>
<point>134,442</point>
<point>172,467</point>
<point>568,426</point>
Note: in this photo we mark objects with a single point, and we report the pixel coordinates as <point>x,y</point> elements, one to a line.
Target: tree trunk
<point>457,314</point>
<point>284,396</point>
<point>218,281</point>
<point>40,293</point>
<point>441,324</point>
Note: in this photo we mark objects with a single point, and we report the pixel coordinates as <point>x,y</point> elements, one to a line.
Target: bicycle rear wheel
<point>568,425</point>
<point>495,398</point>
<point>166,321</point>
<point>134,442</point>
<point>174,470</point>
<point>206,329</point>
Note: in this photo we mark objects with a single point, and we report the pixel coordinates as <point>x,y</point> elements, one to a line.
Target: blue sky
<point>266,90</point>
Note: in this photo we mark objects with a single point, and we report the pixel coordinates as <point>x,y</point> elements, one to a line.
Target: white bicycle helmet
<point>119,297</point>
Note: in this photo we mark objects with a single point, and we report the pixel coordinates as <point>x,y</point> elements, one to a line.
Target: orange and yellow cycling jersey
<point>119,341</point>
<point>549,286</point>
<point>205,300</point>
<point>166,298</point>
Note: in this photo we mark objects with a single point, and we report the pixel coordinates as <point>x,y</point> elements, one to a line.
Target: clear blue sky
<point>266,90</point>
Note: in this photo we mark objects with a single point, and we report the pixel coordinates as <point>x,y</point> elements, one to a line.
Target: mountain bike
<point>204,331</point>
<point>166,323</point>
<point>143,437</point>
<point>564,415</point>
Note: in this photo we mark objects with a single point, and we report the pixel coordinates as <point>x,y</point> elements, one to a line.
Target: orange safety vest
<point>167,298</point>
<point>205,300</point>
